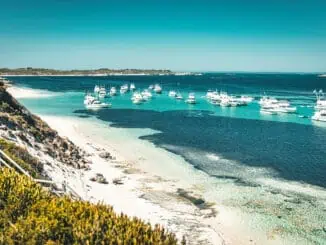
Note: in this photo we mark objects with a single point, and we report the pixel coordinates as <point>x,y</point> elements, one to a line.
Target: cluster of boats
<point>223,99</point>
<point>268,105</point>
<point>178,96</point>
<point>271,105</point>
<point>320,107</point>
<point>102,92</point>
<point>140,97</point>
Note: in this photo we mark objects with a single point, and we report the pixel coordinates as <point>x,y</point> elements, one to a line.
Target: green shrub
<point>22,158</point>
<point>31,215</point>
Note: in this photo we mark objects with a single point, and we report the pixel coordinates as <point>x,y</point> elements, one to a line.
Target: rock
<point>105,155</point>
<point>117,181</point>
<point>99,178</point>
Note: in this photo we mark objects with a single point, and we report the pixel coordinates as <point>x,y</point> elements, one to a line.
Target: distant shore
<point>5,72</point>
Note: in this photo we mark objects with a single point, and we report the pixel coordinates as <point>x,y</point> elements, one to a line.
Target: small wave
<point>213,157</point>
<point>23,93</point>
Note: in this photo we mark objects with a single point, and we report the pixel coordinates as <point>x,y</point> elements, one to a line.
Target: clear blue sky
<point>228,35</point>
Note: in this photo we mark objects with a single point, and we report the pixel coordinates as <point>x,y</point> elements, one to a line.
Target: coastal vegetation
<point>101,71</point>
<point>29,214</point>
<point>35,214</point>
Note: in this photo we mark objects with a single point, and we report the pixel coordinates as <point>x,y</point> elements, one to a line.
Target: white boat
<point>151,87</point>
<point>191,99</point>
<point>132,87</point>
<point>124,89</point>
<point>172,93</point>
<point>209,95</point>
<point>88,98</point>
<point>96,89</point>
<point>320,104</point>
<point>146,94</point>
<point>157,89</point>
<point>319,116</point>
<point>179,96</point>
<point>102,92</point>
<point>267,111</point>
<point>113,91</point>
<point>225,102</point>
<point>137,98</point>
<point>276,106</point>
<point>267,100</point>
<point>96,104</point>
<point>247,99</point>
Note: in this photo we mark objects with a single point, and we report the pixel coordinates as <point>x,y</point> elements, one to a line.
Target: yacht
<point>158,89</point>
<point>265,100</point>
<point>92,103</point>
<point>113,91</point>
<point>151,87</point>
<point>96,104</point>
<point>146,94</point>
<point>102,92</point>
<point>88,98</point>
<point>209,94</point>
<point>278,106</point>
<point>137,98</point>
<point>319,116</point>
<point>132,87</point>
<point>96,89</point>
<point>124,89</point>
<point>179,96</point>
<point>267,111</point>
<point>321,104</point>
<point>172,93</point>
<point>191,99</point>
<point>225,102</point>
<point>246,99</point>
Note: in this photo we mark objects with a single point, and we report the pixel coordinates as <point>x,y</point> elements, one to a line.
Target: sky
<point>193,35</point>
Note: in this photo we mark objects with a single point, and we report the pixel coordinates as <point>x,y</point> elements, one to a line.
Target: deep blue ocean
<point>292,147</point>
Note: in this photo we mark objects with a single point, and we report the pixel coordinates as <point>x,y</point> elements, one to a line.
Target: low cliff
<point>19,126</point>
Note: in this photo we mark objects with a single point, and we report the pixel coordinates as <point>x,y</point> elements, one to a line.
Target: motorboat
<point>319,116</point>
<point>96,104</point>
<point>267,111</point>
<point>137,98</point>
<point>225,102</point>
<point>179,96</point>
<point>96,89</point>
<point>151,87</point>
<point>246,99</point>
<point>132,87</point>
<point>102,92</point>
<point>191,99</point>
<point>113,91</point>
<point>172,93</point>
<point>209,94</point>
<point>88,98</point>
<point>320,104</point>
<point>146,94</point>
<point>267,100</point>
<point>158,89</point>
<point>124,89</point>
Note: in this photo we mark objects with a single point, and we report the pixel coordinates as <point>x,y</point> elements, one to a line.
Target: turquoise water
<point>250,149</point>
<point>280,86</point>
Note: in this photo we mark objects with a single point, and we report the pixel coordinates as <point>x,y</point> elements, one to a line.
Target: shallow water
<point>273,167</point>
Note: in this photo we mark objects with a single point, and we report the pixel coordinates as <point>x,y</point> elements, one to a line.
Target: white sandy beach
<point>151,177</point>
<point>149,189</point>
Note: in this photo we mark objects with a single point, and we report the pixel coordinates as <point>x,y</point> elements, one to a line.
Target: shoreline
<point>152,197</point>
<point>164,192</point>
